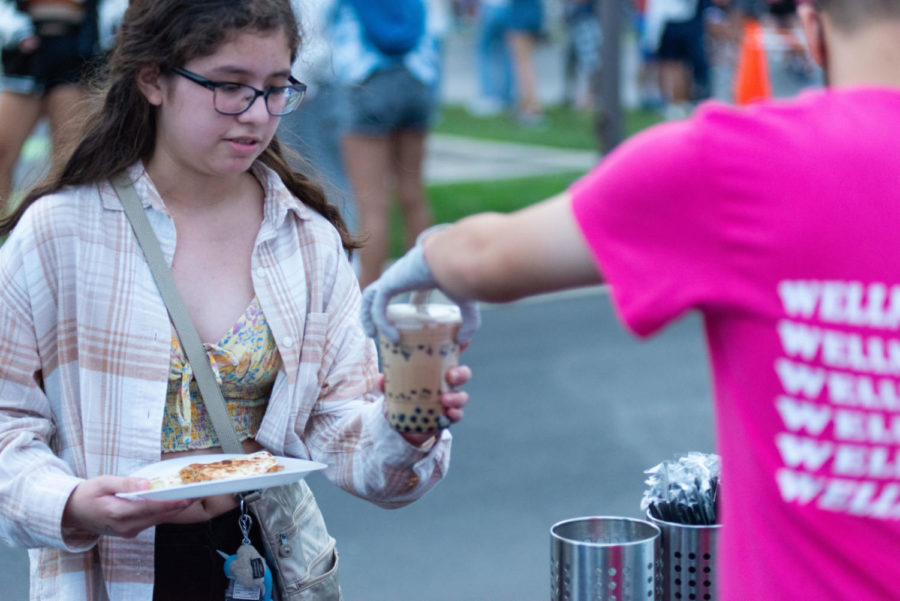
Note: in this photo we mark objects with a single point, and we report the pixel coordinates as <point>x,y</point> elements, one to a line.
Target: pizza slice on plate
<point>254,464</point>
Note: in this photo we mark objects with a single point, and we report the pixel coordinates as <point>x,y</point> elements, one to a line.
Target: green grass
<point>452,202</point>
<point>565,128</point>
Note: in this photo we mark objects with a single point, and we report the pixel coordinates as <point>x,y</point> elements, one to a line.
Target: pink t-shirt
<point>780,223</point>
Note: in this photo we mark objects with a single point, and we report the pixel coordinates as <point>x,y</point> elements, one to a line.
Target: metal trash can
<point>688,560</point>
<point>604,559</point>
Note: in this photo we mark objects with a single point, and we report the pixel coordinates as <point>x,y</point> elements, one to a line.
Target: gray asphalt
<point>567,411</point>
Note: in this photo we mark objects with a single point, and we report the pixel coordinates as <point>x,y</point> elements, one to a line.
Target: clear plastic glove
<point>411,273</point>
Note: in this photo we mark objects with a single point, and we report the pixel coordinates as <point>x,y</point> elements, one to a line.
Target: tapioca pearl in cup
<point>397,421</point>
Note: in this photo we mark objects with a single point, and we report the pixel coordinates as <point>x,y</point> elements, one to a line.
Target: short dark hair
<point>850,14</point>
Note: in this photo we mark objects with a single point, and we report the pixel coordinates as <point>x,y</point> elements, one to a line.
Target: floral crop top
<point>245,362</point>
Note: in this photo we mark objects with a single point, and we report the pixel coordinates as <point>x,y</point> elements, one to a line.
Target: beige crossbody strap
<point>187,333</point>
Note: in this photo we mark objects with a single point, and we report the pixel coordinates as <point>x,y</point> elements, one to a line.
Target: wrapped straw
<point>684,491</point>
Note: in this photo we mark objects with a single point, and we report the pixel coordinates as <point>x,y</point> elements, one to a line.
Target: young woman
<point>93,384</point>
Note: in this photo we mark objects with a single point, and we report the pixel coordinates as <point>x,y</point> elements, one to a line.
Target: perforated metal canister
<point>604,559</point>
<point>688,557</point>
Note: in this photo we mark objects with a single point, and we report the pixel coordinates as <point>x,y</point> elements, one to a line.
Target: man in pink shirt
<point>779,223</point>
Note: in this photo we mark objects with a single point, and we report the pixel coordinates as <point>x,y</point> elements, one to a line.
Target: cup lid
<point>410,316</point>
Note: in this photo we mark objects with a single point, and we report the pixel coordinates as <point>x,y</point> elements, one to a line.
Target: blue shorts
<point>681,41</point>
<point>388,100</point>
<point>526,15</point>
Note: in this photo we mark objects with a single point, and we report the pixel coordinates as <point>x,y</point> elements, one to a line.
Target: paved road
<point>455,158</point>
<point>567,411</point>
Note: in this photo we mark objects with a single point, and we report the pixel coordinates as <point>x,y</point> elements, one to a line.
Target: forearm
<point>367,458</point>
<point>468,261</point>
<point>503,257</point>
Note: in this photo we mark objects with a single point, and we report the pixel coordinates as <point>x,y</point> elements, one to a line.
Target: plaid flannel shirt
<point>84,357</point>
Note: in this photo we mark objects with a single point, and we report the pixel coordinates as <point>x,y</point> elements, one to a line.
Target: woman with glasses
<point>48,49</point>
<point>93,382</point>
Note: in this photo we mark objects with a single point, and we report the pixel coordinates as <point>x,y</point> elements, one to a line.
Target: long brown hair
<point>121,129</point>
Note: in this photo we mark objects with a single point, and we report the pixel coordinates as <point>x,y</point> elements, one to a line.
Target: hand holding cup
<point>416,366</point>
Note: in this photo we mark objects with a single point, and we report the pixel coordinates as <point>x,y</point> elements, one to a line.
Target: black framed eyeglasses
<point>230,98</point>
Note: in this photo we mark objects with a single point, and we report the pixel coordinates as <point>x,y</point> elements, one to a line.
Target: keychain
<point>249,577</point>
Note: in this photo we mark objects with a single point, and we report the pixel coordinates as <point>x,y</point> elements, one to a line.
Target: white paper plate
<point>294,469</point>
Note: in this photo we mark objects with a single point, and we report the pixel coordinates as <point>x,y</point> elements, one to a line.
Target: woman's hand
<point>453,401</point>
<point>94,508</point>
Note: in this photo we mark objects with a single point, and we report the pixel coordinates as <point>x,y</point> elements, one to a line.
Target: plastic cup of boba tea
<point>414,368</point>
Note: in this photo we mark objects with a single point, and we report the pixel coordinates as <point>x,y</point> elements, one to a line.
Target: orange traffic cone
<point>751,81</point>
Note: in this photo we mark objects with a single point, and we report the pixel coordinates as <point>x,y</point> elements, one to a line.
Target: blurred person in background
<point>675,33</point>
<point>787,25</point>
<point>313,130</point>
<point>723,42</point>
<point>582,70</point>
<point>48,49</point>
<point>647,73</point>
<point>387,59</point>
<point>525,27</point>
<point>775,221</point>
<point>495,76</point>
